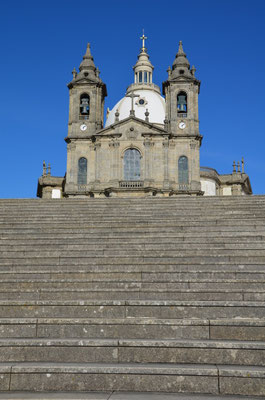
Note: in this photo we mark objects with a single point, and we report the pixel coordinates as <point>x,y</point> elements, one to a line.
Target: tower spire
<point>88,61</point>
<point>181,58</point>
<point>180,50</point>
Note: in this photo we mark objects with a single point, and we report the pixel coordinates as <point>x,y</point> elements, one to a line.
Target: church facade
<point>149,145</point>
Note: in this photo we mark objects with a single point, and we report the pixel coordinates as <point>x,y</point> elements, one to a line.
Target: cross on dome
<point>143,38</point>
<point>132,96</point>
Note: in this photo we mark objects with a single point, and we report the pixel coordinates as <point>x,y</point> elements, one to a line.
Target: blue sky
<point>41,42</point>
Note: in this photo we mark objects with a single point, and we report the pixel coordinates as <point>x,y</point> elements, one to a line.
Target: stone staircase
<point>132,295</point>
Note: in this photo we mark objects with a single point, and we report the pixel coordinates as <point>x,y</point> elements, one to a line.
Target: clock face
<point>83,127</point>
<point>182,125</point>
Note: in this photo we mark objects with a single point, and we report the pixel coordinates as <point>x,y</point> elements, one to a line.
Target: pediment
<point>130,127</point>
<point>85,80</point>
<point>182,79</point>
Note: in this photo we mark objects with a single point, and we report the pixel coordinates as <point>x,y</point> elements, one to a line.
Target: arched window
<point>140,77</point>
<point>84,104</point>
<point>132,165</point>
<point>182,103</point>
<point>82,171</point>
<point>183,170</point>
<point>145,76</point>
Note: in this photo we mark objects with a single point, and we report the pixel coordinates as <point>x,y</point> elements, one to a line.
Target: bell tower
<point>181,92</point>
<point>86,113</point>
<point>87,93</point>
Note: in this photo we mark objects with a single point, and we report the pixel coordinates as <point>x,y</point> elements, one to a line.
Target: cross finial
<point>243,165</point>
<point>44,173</point>
<point>143,38</point>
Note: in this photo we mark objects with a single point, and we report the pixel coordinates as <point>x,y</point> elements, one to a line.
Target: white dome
<point>148,99</point>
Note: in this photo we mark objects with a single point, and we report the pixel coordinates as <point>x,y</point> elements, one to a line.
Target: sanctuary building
<point>150,144</point>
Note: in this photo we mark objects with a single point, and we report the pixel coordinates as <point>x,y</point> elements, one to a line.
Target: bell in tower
<point>84,105</point>
<point>182,103</point>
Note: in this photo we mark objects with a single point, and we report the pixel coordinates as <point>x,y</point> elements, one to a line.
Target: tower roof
<point>181,58</point>
<point>87,71</point>
<point>88,61</point>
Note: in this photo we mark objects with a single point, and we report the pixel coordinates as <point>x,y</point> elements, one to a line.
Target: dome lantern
<point>143,69</point>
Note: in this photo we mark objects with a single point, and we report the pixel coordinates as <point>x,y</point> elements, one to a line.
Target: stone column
<point>148,161</point>
<point>172,163</point>
<point>116,169</point>
<point>90,164</point>
<point>97,161</point>
<point>112,160</point>
<point>194,166</point>
<point>166,180</point>
<point>72,163</point>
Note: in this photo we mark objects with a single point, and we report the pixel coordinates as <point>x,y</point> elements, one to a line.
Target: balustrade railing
<point>184,186</point>
<point>131,184</point>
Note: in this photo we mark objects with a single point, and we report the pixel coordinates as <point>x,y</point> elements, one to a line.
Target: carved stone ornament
<point>148,142</point>
<point>131,133</point>
<point>166,142</point>
<point>172,144</point>
<point>71,146</point>
<point>97,145</point>
<point>194,144</point>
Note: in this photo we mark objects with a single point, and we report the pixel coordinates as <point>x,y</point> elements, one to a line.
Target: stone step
<point>202,210</point>
<point>137,275</point>
<point>131,224</point>
<point>144,231</point>
<point>131,309</point>
<point>133,351</point>
<point>7,248</point>
<point>140,237</point>
<point>162,216</point>
<point>250,329</point>
<point>144,272</point>
<point>108,203</point>
<point>198,213</point>
<point>132,294</point>
<point>48,267</point>
<point>63,261</point>
<point>136,214</point>
<point>108,209</point>
<point>219,379</point>
<point>113,395</point>
<point>160,241</point>
<point>101,202</point>
<point>128,281</point>
<point>121,252</point>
